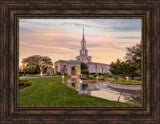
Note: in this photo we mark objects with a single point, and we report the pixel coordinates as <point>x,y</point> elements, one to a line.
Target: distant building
<point>73,67</point>
<point>50,71</point>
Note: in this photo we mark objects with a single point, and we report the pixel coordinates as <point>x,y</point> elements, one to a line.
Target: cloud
<point>50,37</point>
<point>127,37</point>
<point>113,25</point>
<point>60,38</point>
<point>58,50</point>
<point>107,41</point>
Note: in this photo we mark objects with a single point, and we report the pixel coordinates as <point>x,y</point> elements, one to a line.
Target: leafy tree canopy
<point>84,66</point>
<point>37,61</point>
<point>134,54</point>
<point>131,66</point>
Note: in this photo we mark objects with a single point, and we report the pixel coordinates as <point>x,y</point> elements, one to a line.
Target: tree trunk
<point>41,73</point>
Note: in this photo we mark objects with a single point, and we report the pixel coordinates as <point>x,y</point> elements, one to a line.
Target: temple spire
<point>83,29</point>
<point>83,33</point>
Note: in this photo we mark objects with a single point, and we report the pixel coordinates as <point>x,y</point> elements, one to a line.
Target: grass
<point>49,91</point>
<point>129,82</point>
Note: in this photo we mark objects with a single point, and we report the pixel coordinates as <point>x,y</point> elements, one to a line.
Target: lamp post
<point>80,90</point>
<point>63,79</point>
<point>127,78</point>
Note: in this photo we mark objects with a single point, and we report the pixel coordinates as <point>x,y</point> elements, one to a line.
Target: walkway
<point>109,96</point>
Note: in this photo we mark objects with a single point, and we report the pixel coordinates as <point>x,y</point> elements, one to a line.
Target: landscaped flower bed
<point>24,83</point>
<point>126,82</point>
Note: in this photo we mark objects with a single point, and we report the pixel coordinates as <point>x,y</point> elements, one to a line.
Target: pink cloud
<point>107,40</point>
<point>51,37</point>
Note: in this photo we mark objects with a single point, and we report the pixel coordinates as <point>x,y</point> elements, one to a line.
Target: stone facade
<point>63,66</point>
<point>50,71</point>
<point>97,67</point>
<point>73,67</point>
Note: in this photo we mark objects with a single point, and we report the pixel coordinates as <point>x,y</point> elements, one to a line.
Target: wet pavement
<point>107,90</point>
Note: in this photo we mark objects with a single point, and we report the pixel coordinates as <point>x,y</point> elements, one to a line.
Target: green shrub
<point>91,77</point>
<point>58,73</point>
<point>101,78</point>
<point>92,73</point>
<point>107,78</point>
<point>116,78</point>
<point>25,82</point>
<point>129,82</point>
<point>85,72</point>
<point>139,80</point>
<point>22,79</point>
<point>103,73</point>
<point>121,79</point>
<point>87,75</point>
<point>110,75</point>
<point>84,78</point>
<point>28,83</point>
<point>84,66</point>
<point>95,75</point>
<point>65,74</point>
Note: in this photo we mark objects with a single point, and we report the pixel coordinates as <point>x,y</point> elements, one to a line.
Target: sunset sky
<point>60,39</point>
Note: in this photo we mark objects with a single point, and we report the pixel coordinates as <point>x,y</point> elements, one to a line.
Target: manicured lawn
<point>49,91</point>
<point>129,82</point>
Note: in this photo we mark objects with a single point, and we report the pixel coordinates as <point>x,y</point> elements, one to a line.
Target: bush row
<point>25,82</point>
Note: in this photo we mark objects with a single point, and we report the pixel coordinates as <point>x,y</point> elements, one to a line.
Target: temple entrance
<point>56,69</point>
<point>65,69</point>
<point>74,70</point>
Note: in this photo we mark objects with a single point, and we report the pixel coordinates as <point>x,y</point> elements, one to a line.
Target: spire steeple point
<point>83,57</point>
<point>83,34</point>
<point>83,29</point>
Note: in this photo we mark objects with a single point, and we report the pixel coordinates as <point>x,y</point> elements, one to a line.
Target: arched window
<point>65,69</point>
<point>74,70</point>
<point>101,70</point>
<point>87,60</point>
<point>56,69</point>
<point>83,52</point>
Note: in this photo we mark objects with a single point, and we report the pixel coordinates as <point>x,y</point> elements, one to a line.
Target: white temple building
<point>73,67</point>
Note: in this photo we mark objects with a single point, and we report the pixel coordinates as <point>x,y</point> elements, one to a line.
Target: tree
<point>123,68</point>
<point>134,56</point>
<point>37,61</point>
<point>131,66</point>
<point>115,67</point>
<point>84,66</point>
